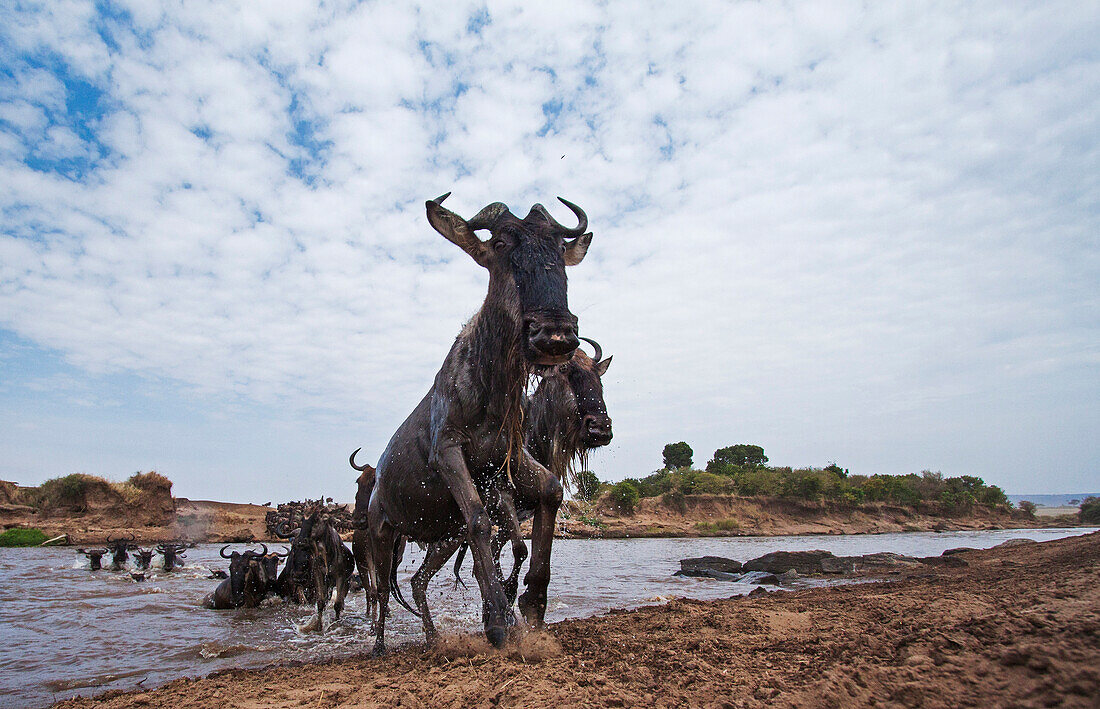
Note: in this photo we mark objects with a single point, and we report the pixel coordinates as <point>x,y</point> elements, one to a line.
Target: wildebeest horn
<point>440,198</point>
<point>596,346</point>
<point>351,459</point>
<point>487,216</point>
<point>281,533</point>
<point>582,219</point>
<point>264,552</point>
<point>132,536</point>
<point>222,552</point>
<point>283,555</point>
<point>109,539</point>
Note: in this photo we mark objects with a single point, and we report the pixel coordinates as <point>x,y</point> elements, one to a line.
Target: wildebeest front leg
<point>449,461</point>
<point>320,572</point>
<point>437,556</point>
<point>538,483</point>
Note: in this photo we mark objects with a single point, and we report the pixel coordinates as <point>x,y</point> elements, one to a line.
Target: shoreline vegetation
<point>1011,626</point>
<point>727,499</point>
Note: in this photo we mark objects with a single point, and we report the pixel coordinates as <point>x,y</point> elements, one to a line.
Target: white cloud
<point>825,230</point>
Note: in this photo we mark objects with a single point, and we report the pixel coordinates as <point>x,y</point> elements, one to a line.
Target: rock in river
<point>707,566</point>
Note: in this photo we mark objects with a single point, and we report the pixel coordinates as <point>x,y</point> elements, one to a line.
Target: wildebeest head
<point>119,549</point>
<point>95,557</point>
<point>271,565</point>
<point>526,260</point>
<point>246,571</point>
<point>171,551</point>
<point>584,373</point>
<point>143,557</point>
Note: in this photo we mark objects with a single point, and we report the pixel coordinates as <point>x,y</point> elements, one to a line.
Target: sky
<point>857,233</point>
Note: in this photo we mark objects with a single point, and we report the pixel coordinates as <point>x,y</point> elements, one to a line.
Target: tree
<point>742,456</point>
<point>677,455</point>
<point>1028,507</point>
<point>587,485</point>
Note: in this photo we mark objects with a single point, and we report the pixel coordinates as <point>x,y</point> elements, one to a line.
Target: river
<point>67,630</point>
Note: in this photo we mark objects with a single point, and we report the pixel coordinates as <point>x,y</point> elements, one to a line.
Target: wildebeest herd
<point>477,453</point>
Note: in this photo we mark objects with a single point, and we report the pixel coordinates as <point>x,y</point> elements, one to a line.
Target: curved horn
<point>595,346</point>
<point>285,554</point>
<point>582,220</point>
<point>132,536</point>
<point>222,552</point>
<point>485,218</point>
<point>351,459</point>
<point>264,552</point>
<point>440,198</point>
<point>109,540</point>
<point>281,533</point>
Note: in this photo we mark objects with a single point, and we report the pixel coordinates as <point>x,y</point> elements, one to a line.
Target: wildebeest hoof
<point>497,635</point>
<point>379,650</point>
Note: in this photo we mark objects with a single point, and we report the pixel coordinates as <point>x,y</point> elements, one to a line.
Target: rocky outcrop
<point>778,562</point>
<point>786,566</point>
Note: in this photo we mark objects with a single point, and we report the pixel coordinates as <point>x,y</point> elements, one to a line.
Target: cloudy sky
<point>868,235</point>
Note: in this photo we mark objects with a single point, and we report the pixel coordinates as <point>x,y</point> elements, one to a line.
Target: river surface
<point>66,630</point>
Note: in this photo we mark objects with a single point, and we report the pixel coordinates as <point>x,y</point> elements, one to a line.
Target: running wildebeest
<point>566,417</point>
<point>119,549</point>
<point>247,582</point>
<point>95,557</point>
<point>332,565</point>
<point>172,552</point>
<point>466,434</point>
<point>143,558</point>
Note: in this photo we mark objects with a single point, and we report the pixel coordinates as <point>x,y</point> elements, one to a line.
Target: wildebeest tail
<point>398,551</point>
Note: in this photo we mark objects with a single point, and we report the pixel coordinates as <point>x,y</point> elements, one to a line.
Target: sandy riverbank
<point>1017,626</point>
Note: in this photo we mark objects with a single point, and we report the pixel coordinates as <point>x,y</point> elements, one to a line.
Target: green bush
<point>696,482</point>
<point>1028,508</point>
<point>625,496</point>
<point>588,485</point>
<point>22,538</point>
<point>1090,510</point>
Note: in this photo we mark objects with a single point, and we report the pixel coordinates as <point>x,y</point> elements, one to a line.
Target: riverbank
<point>105,509</point>
<point>730,515</point>
<point>1017,625</point>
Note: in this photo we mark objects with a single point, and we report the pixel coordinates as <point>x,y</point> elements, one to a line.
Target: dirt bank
<point>1018,626</point>
<point>727,515</point>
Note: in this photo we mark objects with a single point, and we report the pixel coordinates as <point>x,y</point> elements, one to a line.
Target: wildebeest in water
<point>331,565</point>
<point>119,549</point>
<point>95,557</point>
<point>172,553</point>
<point>566,417</point>
<point>143,558</point>
<point>466,434</point>
<point>247,582</point>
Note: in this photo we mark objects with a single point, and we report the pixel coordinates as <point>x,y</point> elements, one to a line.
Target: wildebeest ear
<point>601,367</point>
<point>455,229</point>
<point>574,252</point>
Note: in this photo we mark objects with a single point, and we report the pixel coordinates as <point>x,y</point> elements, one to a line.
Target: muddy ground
<point>1016,626</point>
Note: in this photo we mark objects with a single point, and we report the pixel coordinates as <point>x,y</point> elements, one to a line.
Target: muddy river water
<point>66,630</point>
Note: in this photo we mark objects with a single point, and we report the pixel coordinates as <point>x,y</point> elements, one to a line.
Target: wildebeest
<point>466,434</point>
<point>119,549</point>
<point>271,568</point>
<point>331,564</point>
<point>295,581</point>
<point>247,582</point>
<point>172,552</point>
<point>566,417</point>
<point>143,558</point>
<point>95,557</point>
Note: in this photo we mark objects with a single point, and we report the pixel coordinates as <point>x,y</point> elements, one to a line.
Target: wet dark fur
<point>465,435</point>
